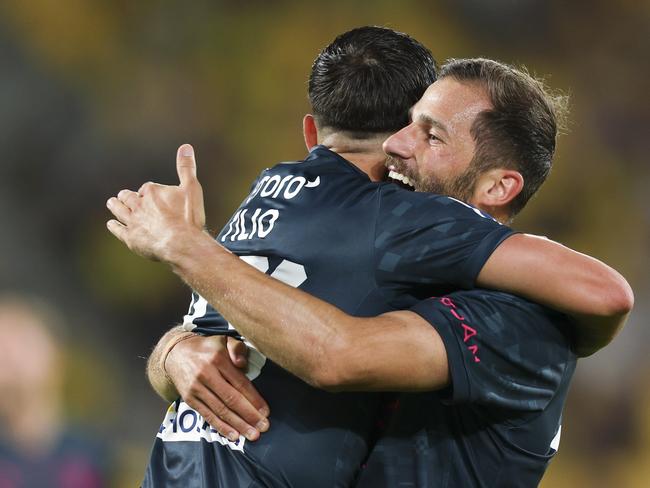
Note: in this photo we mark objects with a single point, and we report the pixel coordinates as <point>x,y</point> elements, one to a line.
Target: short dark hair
<point>520,130</point>
<point>367,79</point>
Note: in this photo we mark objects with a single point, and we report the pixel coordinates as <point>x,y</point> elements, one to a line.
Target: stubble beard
<point>460,187</point>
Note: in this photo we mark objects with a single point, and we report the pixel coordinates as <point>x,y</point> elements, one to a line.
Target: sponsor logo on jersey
<point>183,423</point>
<point>468,331</point>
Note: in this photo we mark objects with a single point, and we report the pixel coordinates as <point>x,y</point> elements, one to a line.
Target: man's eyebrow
<point>428,120</point>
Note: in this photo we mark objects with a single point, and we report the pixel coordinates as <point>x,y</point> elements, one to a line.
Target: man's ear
<point>496,188</point>
<point>309,131</point>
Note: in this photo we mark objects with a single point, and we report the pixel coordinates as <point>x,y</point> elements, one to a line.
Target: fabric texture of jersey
<point>367,248</point>
<point>498,424</point>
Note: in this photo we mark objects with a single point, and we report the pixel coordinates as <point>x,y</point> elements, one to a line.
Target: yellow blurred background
<point>96,95</point>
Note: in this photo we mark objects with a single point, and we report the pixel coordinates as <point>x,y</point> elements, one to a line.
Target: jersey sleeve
<point>432,239</point>
<point>502,351</point>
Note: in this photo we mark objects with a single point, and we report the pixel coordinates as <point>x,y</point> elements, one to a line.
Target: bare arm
<point>307,336</point>
<point>549,273</point>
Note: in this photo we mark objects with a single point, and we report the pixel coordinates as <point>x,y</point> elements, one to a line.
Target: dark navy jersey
<point>367,248</point>
<point>498,424</point>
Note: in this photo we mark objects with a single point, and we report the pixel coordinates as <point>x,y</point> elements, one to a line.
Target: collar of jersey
<point>322,151</point>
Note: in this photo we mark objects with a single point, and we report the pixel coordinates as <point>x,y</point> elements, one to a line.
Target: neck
<point>365,154</point>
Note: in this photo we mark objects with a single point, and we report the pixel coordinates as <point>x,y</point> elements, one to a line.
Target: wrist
<point>170,347</point>
<point>189,257</point>
<point>185,246</point>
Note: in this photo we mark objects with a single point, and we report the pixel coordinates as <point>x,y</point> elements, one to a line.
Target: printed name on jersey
<point>290,186</point>
<point>258,223</point>
<point>186,424</point>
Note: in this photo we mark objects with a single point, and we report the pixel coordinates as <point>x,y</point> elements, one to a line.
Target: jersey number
<point>293,274</point>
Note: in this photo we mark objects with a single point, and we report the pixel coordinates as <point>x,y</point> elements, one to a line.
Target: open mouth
<point>400,180</point>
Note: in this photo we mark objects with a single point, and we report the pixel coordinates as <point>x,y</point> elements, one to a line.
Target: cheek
<point>433,168</point>
<point>454,160</point>
<point>438,159</point>
<point>465,153</point>
<point>443,165</point>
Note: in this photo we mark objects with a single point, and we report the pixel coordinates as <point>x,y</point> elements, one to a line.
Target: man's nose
<point>398,144</point>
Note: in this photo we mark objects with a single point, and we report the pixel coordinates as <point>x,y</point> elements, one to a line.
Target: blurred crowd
<point>38,447</point>
<point>96,96</point>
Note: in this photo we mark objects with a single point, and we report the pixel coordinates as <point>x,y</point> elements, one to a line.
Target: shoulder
<point>427,206</point>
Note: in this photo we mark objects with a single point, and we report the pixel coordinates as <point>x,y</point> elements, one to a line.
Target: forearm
<point>156,373</point>
<point>543,271</point>
<point>300,333</point>
<point>309,337</point>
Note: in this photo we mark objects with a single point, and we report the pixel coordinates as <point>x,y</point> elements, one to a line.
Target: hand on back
<point>210,378</point>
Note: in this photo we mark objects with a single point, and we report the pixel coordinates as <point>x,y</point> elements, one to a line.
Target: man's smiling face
<point>433,153</point>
